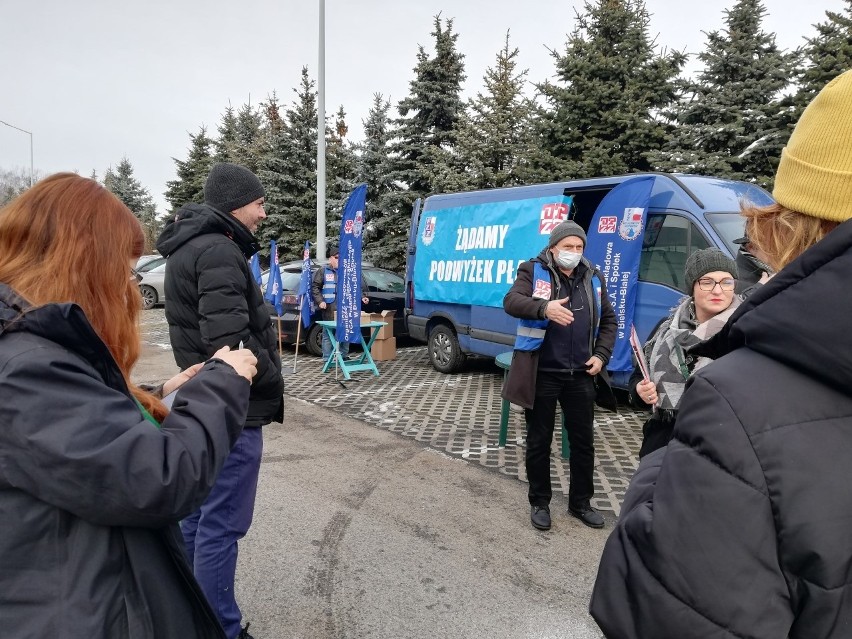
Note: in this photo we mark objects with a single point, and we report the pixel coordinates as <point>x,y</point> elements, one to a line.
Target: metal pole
<point>321,135</point>
<point>32,173</point>
<point>29,133</point>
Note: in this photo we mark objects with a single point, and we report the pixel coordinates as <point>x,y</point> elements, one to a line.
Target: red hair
<point>68,239</point>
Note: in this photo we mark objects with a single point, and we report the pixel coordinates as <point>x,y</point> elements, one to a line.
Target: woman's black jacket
<point>742,525</point>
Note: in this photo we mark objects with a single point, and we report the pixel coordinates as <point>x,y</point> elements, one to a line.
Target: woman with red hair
<point>95,472</point>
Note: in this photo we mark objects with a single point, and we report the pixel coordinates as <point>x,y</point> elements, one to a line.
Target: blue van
<point>464,249</point>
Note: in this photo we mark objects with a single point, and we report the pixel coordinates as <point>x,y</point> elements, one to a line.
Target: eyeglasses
<point>708,283</point>
<point>135,277</point>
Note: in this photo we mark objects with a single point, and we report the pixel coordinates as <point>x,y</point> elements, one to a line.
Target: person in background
<point>710,276</point>
<point>752,268</point>
<point>324,291</point>
<point>740,527</point>
<point>214,301</point>
<point>95,472</point>
<point>565,339</point>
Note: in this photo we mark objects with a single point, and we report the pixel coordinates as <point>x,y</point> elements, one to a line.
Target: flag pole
<point>280,351</point>
<point>298,332</point>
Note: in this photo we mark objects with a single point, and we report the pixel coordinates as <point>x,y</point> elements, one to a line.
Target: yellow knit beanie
<point>815,173</point>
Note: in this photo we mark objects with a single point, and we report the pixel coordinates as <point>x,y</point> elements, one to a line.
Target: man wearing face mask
<point>565,338</point>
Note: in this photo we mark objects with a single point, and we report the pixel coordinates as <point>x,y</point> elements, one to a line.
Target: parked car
<point>385,290</point>
<point>152,286</point>
<point>148,262</point>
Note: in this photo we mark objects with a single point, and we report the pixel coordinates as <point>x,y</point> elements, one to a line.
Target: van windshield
<point>729,226</point>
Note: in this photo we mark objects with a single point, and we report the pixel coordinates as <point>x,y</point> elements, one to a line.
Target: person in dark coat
<point>710,275</point>
<point>213,301</point>
<point>740,527</point>
<point>95,472</point>
<point>753,270</point>
<point>565,339</point>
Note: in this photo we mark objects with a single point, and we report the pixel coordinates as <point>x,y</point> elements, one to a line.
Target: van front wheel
<point>444,350</point>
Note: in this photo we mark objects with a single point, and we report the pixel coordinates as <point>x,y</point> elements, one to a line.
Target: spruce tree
<point>240,138</point>
<point>192,172</point>
<point>603,111</point>
<point>288,172</point>
<point>227,138</point>
<point>129,190</point>
<point>373,162</point>
<point>826,55</point>
<point>340,168</point>
<point>494,133</point>
<point>735,120</point>
<point>425,130</point>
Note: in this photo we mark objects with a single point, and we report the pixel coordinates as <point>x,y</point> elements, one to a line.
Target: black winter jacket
<point>212,301</point>
<point>742,526</point>
<point>91,491</point>
<point>519,302</point>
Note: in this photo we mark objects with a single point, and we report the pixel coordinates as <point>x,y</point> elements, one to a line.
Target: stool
<point>504,361</point>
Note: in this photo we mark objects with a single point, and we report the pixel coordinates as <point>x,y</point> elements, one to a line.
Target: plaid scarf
<point>670,365</point>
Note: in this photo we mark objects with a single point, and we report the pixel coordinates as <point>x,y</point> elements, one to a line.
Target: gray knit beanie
<point>231,186</point>
<point>705,261</point>
<point>563,230</point>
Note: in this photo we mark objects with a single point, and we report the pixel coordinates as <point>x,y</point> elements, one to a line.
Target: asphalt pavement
<point>386,508</point>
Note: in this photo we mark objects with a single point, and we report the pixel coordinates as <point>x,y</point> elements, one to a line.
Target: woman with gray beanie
<point>740,527</point>
<point>710,276</point>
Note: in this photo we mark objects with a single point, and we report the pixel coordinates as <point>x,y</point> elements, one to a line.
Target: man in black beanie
<point>212,301</point>
<point>566,334</point>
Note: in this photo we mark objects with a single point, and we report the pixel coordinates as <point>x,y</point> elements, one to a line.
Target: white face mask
<point>568,259</point>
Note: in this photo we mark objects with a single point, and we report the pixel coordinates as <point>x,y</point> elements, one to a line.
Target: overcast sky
<point>95,80</point>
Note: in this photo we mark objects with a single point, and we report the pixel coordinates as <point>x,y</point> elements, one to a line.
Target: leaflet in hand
<point>638,351</point>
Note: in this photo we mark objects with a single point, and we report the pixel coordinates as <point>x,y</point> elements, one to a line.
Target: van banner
<point>348,300</point>
<point>470,254</point>
<point>615,245</point>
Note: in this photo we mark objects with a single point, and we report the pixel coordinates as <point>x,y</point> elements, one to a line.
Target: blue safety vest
<point>530,333</point>
<point>329,285</point>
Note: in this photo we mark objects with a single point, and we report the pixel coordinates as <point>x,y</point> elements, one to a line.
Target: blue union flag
<point>614,246</point>
<point>349,267</point>
<point>306,300</point>
<point>274,286</point>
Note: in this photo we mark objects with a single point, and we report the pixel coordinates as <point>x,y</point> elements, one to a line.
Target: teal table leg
<point>504,416</point>
<point>330,335</point>
<point>335,356</point>
<point>367,346</point>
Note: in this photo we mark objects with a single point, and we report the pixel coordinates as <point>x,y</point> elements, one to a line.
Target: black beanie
<point>231,186</point>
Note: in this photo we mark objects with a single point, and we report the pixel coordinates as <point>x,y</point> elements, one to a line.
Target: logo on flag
<point>631,223</point>
<point>429,230</point>
<point>608,224</point>
<point>551,216</point>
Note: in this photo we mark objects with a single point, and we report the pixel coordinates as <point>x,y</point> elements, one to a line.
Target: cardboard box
<point>384,350</point>
<point>385,332</point>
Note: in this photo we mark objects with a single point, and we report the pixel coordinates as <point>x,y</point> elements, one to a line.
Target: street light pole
<point>321,135</point>
<point>29,133</point>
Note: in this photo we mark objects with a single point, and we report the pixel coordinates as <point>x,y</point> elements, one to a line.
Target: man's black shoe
<point>588,516</point>
<point>244,633</point>
<point>540,517</point>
